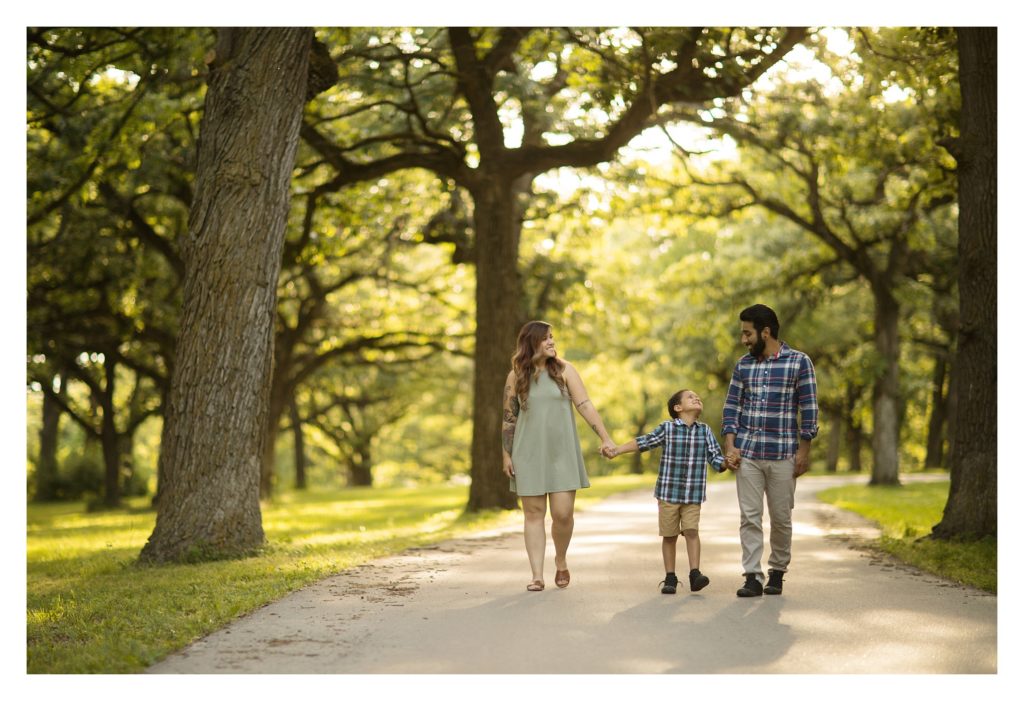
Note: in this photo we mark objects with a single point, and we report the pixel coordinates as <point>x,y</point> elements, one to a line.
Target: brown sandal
<point>535,585</point>
<point>562,578</point>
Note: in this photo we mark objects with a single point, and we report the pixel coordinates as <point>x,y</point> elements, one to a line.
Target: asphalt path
<point>461,607</point>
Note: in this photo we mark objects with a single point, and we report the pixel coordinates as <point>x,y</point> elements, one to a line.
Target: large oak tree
<point>971,510</point>
<point>862,172</point>
<point>216,417</point>
<point>453,101</point>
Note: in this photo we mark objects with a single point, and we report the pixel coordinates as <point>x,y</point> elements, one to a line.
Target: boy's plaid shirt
<point>763,400</point>
<point>683,473</point>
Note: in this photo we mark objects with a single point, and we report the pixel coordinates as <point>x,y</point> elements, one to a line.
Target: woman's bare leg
<point>562,505</point>
<point>534,509</point>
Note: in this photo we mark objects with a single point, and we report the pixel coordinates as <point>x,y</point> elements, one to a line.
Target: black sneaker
<point>670,583</point>
<point>751,588</point>
<point>698,580</point>
<point>774,585</point>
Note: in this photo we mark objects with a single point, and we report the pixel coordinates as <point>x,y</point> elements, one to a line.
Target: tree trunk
<point>951,412</point>
<point>109,438</point>
<point>165,398</point>
<point>360,473</point>
<point>835,440</point>
<point>217,415</point>
<point>300,446</point>
<point>49,436</point>
<point>885,436</point>
<point>937,421</point>
<point>971,510</point>
<point>496,218</point>
<point>278,403</point>
<point>854,445</point>
<point>854,430</point>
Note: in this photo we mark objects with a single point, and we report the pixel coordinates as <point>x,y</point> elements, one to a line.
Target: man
<point>769,386</point>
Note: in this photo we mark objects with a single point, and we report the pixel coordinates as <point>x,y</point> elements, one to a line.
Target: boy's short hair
<point>675,400</point>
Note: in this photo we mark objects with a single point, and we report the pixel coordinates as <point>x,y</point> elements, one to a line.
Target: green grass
<point>907,513</point>
<point>91,609</point>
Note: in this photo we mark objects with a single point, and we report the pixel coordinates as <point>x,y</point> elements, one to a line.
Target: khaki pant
<point>755,480</point>
<point>675,518</point>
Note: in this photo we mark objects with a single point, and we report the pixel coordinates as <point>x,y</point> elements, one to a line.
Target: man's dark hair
<point>761,316</point>
<point>675,400</point>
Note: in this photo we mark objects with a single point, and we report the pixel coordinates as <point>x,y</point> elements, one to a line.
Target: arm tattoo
<point>511,415</point>
<point>580,405</point>
<point>508,434</point>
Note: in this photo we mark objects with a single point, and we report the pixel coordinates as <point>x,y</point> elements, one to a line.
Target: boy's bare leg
<point>692,547</point>
<point>668,552</point>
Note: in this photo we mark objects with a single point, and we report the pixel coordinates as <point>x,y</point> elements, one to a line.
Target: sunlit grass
<point>91,608</point>
<point>905,515</point>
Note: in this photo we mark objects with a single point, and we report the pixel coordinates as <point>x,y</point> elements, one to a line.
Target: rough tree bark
<point>209,499</point>
<point>971,510</point>
<point>498,298</point>
<point>885,431</point>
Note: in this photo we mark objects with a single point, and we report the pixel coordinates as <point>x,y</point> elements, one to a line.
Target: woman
<point>540,446</point>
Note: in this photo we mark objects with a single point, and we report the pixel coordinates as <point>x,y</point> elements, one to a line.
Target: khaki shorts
<point>675,518</point>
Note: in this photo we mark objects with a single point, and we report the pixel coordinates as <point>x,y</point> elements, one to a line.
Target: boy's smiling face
<point>690,403</point>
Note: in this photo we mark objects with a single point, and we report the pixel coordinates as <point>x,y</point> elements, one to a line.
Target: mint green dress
<point>546,453</point>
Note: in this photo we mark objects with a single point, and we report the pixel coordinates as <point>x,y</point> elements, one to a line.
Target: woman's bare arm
<point>586,407</point>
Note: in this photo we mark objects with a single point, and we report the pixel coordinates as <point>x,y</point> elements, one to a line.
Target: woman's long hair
<point>529,359</point>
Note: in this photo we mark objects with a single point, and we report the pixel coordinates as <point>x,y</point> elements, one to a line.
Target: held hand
<point>732,459</point>
<point>609,449</point>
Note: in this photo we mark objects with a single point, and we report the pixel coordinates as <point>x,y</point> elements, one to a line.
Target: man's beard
<point>757,349</point>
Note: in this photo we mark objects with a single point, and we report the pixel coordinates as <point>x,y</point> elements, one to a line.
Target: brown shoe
<point>562,578</point>
<point>535,585</point>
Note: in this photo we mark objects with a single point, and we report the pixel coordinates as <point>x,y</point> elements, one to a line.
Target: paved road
<point>462,607</point>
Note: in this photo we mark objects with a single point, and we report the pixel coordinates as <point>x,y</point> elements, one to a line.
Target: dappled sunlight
<point>43,549</point>
<point>440,608</point>
<point>876,637</point>
<point>805,529</point>
<point>623,506</point>
<point>835,555</point>
<point>709,538</point>
<point>606,543</point>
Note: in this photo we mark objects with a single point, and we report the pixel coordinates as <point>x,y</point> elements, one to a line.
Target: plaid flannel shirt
<point>688,449</point>
<point>763,401</point>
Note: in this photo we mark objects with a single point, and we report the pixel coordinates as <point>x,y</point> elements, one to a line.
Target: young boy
<point>689,445</point>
